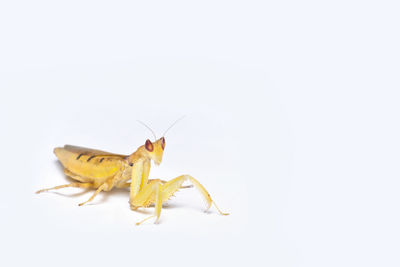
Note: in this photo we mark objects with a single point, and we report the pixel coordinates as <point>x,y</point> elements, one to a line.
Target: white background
<point>292,124</point>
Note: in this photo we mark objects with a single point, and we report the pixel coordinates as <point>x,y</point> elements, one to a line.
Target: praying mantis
<point>103,171</point>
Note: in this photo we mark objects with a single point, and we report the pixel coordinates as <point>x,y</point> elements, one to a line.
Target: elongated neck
<point>138,154</point>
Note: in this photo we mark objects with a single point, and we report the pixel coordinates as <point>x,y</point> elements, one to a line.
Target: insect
<point>103,171</point>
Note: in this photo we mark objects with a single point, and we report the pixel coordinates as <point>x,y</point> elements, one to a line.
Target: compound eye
<point>163,143</point>
<point>149,145</point>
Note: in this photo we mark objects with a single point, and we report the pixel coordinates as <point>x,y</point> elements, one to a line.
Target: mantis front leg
<point>139,177</point>
<point>170,187</point>
<point>151,193</point>
<point>158,192</point>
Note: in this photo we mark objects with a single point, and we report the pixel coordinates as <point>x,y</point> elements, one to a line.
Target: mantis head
<point>149,151</point>
<point>154,150</point>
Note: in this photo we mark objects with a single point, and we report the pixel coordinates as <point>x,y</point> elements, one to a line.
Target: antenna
<point>144,124</point>
<point>181,118</point>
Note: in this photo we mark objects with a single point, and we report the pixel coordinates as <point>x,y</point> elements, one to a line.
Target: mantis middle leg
<point>106,186</point>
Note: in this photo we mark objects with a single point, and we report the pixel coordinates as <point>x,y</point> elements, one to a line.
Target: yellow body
<point>103,171</point>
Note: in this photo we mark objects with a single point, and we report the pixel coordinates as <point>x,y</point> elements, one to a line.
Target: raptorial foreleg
<point>170,187</point>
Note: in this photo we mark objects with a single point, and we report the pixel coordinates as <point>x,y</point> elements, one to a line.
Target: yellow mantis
<point>103,171</point>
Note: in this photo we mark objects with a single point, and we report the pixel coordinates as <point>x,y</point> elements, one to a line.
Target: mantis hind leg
<point>76,184</point>
<point>81,184</point>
